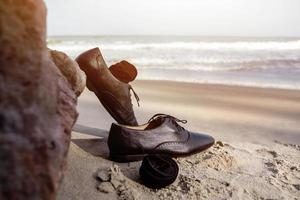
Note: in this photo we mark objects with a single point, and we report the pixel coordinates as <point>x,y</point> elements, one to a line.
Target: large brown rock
<point>37,105</point>
<point>70,69</point>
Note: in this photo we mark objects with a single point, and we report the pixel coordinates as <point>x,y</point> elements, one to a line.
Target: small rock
<point>220,143</point>
<point>197,180</point>
<point>293,168</point>
<point>115,182</point>
<point>104,175</point>
<point>121,188</point>
<point>297,186</point>
<point>274,154</point>
<point>105,187</point>
<point>207,157</point>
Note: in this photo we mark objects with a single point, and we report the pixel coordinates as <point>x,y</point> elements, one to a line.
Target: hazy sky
<point>174,17</point>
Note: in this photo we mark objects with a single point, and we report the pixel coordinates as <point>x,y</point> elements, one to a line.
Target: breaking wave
<point>257,62</point>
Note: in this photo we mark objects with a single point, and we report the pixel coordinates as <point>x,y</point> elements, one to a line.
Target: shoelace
<point>174,119</point>
<point>137,98</point>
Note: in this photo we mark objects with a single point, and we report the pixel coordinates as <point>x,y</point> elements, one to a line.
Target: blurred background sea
<point>259,62</point>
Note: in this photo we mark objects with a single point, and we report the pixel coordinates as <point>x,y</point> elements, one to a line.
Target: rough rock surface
<point>70,69</point>
<point>37,106</point>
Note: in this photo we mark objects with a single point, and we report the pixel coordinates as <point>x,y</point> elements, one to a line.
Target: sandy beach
<point>256,156</point>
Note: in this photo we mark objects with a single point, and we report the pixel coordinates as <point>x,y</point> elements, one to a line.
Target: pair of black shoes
<point>127,140</point>
<point>156,141</point>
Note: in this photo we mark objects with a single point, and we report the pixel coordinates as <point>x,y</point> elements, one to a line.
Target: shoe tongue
<point>155,123</point>
<point>124,71</point>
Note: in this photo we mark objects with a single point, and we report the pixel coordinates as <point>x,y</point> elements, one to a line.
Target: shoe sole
<point>139,157</point>
<point>127,158</point>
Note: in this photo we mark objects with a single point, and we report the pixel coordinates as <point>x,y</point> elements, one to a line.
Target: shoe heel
<point>127,158</point>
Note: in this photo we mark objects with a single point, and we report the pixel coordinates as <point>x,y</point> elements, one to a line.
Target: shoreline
<point>217,84</point>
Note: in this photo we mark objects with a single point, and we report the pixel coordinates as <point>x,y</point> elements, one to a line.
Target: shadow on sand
<point>95,146</point>
<point>99,147</point>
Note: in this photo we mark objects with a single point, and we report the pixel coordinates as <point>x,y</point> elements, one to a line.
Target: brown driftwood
<point>37,106</point>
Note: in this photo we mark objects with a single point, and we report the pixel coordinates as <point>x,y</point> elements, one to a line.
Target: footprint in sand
<point>266,152</point>
<point>218,157</point>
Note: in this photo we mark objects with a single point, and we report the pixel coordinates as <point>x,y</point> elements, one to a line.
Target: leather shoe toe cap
<point>199,142</point>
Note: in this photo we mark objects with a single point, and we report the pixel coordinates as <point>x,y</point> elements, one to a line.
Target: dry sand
<point>257,155</point>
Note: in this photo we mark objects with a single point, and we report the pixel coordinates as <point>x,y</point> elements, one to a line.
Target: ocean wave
<point>213,65</point>
<point>274,63</point>
<point>290,45</point>
<point>121,45</point>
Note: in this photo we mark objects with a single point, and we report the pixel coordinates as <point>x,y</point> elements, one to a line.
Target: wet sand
<point>257,156</point>
<point>228,113</point>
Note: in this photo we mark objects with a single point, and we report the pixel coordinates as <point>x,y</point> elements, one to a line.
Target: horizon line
<point>157,35</point>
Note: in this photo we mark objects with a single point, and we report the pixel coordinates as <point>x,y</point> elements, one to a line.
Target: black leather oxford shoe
<point>161,135</point>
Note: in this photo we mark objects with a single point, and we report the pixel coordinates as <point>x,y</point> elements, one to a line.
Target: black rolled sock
<point>158,171</point>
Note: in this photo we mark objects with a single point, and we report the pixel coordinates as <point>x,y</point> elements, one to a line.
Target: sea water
<point>259,62</point>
